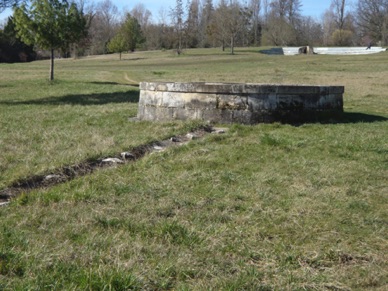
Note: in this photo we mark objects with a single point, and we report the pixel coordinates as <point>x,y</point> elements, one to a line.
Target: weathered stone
<point>112,161</point>
<point>191,136</point>
<point>127,156</point>
<point>52,177</point>
<point>158,148</point>
<point>243,103</point>
<point>174,139</point>
<point>219,130</point>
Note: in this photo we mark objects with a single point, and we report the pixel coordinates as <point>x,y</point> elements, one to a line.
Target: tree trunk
<point>52,65</point>
<point>232,44</point>
<point>75,50</point>
<point>179,50</point>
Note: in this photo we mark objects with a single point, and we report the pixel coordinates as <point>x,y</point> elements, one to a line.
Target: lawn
<point>262,207</point>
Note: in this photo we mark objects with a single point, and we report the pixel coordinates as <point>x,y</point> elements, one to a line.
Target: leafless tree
<point>311,31</point>
<point>265,5</point>
<point>328,26</point>
<point>255,7</point>
<point>293,11</point>
<point>373,19</point>
<point>231,20</point>
<point>339,24</point>
<point>103,26</point>
<point>283,22</point>
<point>177,15</point>
<point>142,14</point>
<point>192,24</point>
<point>338,7</point>
<point>144,18</point>
<point>279,32</point>
<point>207,24</point>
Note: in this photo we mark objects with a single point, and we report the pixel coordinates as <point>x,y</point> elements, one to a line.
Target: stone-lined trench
<point>67,173</point>
<point>211,102</point>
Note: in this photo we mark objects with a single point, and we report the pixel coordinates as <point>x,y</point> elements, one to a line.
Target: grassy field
<point>263,207</point>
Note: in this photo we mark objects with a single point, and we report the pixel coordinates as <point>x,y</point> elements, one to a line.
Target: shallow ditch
<point>67,173</point>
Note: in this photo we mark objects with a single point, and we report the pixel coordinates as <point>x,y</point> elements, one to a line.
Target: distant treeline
<point>211,23</point>
<point>13,50</point>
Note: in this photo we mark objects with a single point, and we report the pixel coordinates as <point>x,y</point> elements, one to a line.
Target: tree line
<point>73,27</point>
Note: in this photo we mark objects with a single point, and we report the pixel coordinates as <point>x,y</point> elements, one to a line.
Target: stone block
<point>204,101</point>
<point>171,100</point>
<point>151,98</point>
<point>243,103</point>
<point>233,102</point>
<point>212,115</point>
<point>242,116</point>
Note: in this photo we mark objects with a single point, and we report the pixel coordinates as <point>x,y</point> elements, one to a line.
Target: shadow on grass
<point>113,83</point>
<point>82,99</point>
<point>342,118</point>
<point>357,117</point>
<point>272,51</point>
<point>133,59</point>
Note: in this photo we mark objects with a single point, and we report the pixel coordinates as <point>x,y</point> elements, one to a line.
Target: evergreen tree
<point>128,37</point>
<point>118,44</point>
<point>11,48</point>
<point>50,24</point>
<point>132,32</point>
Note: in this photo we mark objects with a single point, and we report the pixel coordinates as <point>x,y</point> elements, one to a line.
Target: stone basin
<point>245,103</point>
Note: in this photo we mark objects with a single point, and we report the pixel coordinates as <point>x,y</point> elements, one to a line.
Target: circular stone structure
<point>239,103</point>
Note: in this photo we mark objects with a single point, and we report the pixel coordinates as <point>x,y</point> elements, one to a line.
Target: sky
<point>313,8</point>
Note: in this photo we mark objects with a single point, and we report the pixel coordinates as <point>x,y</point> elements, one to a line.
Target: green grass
<point>263,207</point>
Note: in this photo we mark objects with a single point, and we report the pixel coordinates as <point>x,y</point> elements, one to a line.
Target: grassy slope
<point>265,206</point>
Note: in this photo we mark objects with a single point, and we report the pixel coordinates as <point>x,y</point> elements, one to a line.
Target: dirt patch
<point>83,168</point>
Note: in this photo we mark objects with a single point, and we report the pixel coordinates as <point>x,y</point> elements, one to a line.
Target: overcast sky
<point>314,8</point>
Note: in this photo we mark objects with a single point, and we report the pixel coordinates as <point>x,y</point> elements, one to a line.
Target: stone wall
<point>241,103</point>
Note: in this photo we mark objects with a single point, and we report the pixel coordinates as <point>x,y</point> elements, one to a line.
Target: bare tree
<point>283,22</point>
<point>287,9</point>
<point>338,7</point>
<point>231,21</point>
<point>279,32</point>
<point>207,24</point>
<point>265,10</point>
<point>339,23</point>
<point>293,11</point>
<point>255,6</point>
<point>177,14</point>
<point>163,16</point>
<point>329,27</point>
<point>143,17</point>
<point>373,19</point>
<point>279,8</point>
<point>311,31</point>
<point>192,24</point>
<point>103,26</point>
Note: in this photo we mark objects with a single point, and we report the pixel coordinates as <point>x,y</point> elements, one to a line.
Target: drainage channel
<point>68,173</point>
